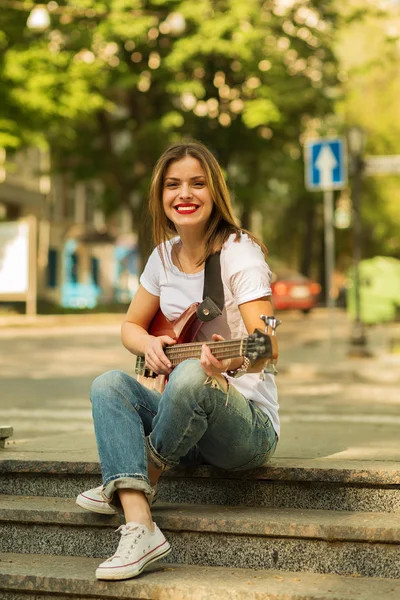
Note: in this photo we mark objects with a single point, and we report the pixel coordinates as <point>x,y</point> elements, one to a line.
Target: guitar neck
<point>221,350</point>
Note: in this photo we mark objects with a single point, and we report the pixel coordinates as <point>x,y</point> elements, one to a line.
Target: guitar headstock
<point>258,346</point>
<point>262,346</point>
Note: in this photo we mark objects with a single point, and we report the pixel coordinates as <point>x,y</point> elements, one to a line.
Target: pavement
<point>336,411</point>
<point>12,321</point>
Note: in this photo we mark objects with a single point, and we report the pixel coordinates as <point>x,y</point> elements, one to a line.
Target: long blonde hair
<point>222,222</point>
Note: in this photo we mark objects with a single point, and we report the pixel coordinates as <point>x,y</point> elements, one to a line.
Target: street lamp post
<point>356,144</point>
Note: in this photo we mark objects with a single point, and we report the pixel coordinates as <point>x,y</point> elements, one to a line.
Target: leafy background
<point>111,83</point>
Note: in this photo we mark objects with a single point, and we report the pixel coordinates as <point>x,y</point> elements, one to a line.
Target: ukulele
<point>260,347</point>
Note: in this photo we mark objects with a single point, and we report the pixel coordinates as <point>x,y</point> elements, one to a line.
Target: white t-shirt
<point>245,276</point>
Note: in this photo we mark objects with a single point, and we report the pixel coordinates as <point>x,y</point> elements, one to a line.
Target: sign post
<point>31,293</point>
<point>325,170</point>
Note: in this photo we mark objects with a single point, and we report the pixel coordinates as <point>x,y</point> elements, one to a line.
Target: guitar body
<point>184,329</point>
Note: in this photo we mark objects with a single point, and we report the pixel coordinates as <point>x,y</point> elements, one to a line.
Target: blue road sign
<point>325,164</point>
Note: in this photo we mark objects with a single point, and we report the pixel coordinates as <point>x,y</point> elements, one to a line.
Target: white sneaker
<point>137,548</point>
<point>93,500</point>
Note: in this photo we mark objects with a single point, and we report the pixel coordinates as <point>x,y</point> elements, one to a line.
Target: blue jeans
<point>190,423</point>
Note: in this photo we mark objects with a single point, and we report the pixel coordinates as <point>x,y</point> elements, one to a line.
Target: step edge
<point>355,475</point>
<point>123,590</point>
<point>203,522</point>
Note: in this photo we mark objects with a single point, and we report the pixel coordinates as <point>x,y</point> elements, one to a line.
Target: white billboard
<point>14,257</point>
<point>18,262</point>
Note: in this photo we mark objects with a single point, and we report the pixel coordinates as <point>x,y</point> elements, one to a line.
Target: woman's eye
<point>171,185</point>
<point>199,184</point>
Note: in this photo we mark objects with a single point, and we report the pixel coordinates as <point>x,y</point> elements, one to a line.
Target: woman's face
<point>186,197</point>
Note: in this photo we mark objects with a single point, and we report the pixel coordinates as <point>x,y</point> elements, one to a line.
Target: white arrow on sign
<point>326,163</point>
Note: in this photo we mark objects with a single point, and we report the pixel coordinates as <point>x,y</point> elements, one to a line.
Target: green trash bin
<point>379,290</point>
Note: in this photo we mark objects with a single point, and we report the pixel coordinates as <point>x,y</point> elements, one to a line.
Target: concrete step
<point>325,485</point>
<point>41,577</point>
<point>347,543</point>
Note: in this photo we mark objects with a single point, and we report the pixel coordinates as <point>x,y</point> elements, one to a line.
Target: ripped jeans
<point>189,424</point>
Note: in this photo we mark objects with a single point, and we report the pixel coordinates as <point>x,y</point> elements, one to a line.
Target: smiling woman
<point>188,205</point>
<point>215,408</point>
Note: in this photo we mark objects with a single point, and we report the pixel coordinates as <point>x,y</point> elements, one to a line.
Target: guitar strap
<point>213,291</point>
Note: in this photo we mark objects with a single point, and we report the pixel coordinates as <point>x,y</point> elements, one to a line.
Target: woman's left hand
<point>210,364</point>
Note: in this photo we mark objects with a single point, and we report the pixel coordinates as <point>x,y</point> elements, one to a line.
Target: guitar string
<point>187,349</point>
<point>215,351</point>
<point>197,346</point>
<point>219,342</point>
<point>209,343</point>
<point>220,356</point>
<point>221,349</point>
<point>198,351</point>
<point>219,352</point>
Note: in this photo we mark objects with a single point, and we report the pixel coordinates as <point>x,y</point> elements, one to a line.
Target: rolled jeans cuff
<point>126,482</point>
<point>156,459</point>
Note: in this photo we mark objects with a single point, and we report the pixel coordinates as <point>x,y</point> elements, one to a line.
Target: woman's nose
<point>185,191</point>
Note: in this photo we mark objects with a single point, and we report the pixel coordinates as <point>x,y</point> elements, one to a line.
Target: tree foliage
<point>111,83</point>
<point>371,82</point>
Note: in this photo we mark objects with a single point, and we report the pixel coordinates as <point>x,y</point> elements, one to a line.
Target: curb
<point>63,320</point>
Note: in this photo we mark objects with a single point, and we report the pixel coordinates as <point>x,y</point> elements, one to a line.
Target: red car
<point>292,290</point>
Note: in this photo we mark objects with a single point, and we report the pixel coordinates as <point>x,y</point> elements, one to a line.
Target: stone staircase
<point>292,531</point>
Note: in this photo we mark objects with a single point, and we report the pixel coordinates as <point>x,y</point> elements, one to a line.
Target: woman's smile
<point>186,209</point>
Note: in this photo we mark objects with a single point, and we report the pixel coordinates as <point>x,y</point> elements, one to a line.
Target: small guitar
<point>259,347</point>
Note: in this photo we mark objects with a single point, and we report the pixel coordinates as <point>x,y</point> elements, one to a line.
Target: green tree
<point>371,83</point>
<point>110,84</point>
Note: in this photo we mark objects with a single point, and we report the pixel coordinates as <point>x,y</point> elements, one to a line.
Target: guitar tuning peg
<point>272,322</point>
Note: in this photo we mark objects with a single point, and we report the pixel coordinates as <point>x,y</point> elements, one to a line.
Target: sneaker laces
<point>130,535</point>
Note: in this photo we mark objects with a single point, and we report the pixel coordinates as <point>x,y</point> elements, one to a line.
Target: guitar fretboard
<point>221,350</point>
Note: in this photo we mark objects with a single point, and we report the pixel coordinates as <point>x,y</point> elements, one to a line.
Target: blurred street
<point>332,406</point>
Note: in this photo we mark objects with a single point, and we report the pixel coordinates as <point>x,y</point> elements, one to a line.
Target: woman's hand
<point>155,358</point>
<point>210,364</point>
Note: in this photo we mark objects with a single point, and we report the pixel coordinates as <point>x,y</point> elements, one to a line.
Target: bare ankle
<point>146,522</point>
<point>136,507</point>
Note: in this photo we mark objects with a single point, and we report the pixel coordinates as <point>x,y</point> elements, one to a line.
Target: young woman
<point>216,412</point>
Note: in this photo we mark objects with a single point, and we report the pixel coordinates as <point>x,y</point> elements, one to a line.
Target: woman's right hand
<point>155,358</point>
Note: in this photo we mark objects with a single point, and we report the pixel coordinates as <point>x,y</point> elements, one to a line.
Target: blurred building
<point>83,259</point>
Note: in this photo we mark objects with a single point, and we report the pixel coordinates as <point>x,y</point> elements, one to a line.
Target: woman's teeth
<point>186,209</point>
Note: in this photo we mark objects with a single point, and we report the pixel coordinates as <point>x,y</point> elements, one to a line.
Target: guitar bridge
<point>140,369</point>
<point>148,373</point>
